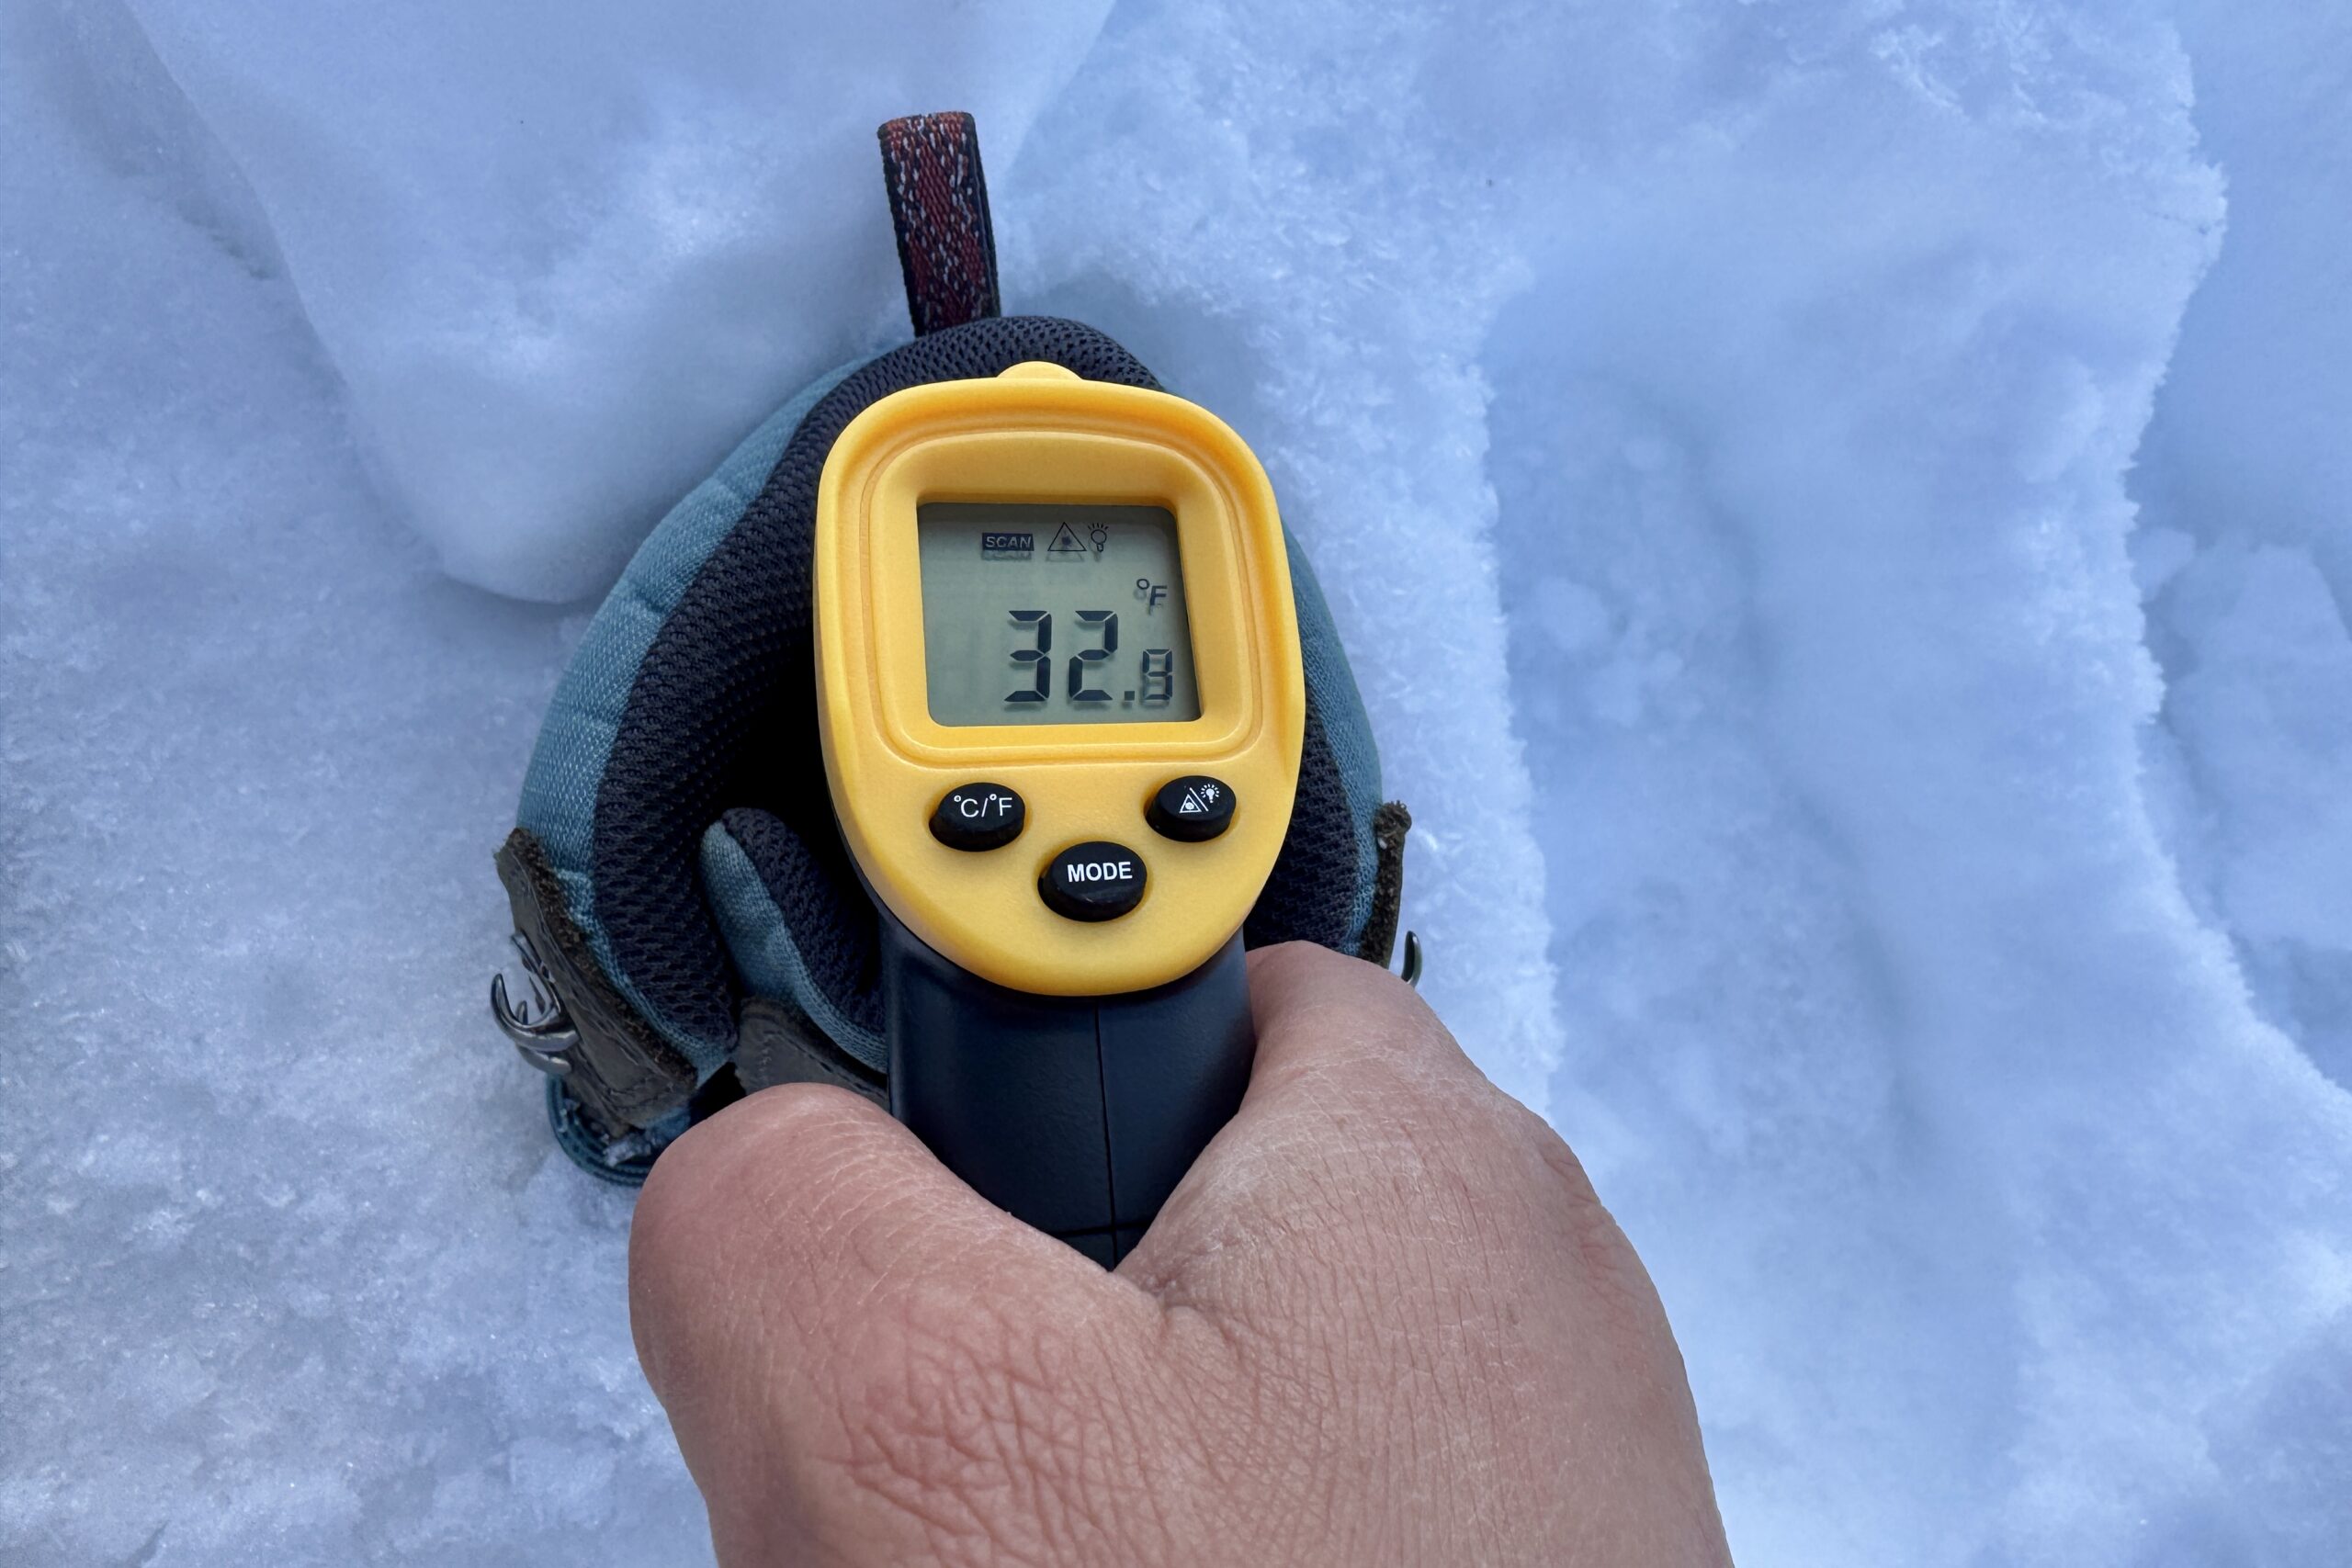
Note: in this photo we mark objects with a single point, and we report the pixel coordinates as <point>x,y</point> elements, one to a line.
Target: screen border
<point>1182,618</point>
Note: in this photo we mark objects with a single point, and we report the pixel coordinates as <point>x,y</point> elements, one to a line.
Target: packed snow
<point>1838,509</point>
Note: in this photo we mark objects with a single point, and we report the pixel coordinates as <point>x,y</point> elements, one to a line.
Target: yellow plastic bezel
<point>1037,434</point>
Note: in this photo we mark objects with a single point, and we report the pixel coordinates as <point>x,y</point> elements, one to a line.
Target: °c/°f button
<point>1095,881</point>
<point>1191,809</point>
<point>978,817</point>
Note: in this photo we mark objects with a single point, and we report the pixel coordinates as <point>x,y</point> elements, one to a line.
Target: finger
<point>768,1235</point>
<point>837,1326</point>
<point>1317,1011</point>
<point>777,1222</point>
<point>1364,1118</point>
<point>1346,1041</point>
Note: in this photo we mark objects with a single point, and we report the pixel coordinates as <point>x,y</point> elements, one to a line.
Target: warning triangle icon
<point>1192,806</point>
<point>1066,544</point>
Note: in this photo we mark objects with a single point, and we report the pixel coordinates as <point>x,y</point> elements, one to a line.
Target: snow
<point>1837,510</point>
<point>599,233</point>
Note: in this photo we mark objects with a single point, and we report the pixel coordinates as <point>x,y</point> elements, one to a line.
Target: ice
<point>1843,543</point>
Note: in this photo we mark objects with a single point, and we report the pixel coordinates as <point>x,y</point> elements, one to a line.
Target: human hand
<point>1383,1319</point>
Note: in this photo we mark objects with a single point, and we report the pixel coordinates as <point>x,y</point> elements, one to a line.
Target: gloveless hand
<point>1383,1320</point>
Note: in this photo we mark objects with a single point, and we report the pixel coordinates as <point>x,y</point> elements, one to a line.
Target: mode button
<point>1096,880</point>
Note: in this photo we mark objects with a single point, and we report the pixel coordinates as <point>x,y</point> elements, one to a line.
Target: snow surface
<point>1844,551</point>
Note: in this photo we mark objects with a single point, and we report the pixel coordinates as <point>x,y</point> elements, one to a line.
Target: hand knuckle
<point>970,1425</point>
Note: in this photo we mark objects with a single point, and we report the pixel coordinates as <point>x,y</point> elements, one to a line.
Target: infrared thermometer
<point>1061,702</point>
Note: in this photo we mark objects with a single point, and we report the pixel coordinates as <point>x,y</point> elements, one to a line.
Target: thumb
<point>786,1255</point>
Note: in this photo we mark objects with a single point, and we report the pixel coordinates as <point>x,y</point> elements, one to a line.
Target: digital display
<point>1047,614</point>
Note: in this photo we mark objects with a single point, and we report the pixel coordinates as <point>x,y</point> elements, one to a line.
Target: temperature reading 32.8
<point>1054,615</point>
<point>1154,682</point>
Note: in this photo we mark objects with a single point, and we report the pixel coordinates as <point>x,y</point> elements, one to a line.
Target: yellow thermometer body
<point>1062,703</point>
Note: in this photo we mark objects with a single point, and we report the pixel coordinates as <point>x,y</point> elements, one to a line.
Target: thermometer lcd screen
<point>1054,615</point>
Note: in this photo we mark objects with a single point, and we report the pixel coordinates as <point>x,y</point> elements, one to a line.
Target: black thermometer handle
<point>1078,1115</point>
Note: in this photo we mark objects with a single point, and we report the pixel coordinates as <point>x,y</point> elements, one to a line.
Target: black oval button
<point>978,817</point>
<point>1096,880</point>
<point>1192,808</point>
